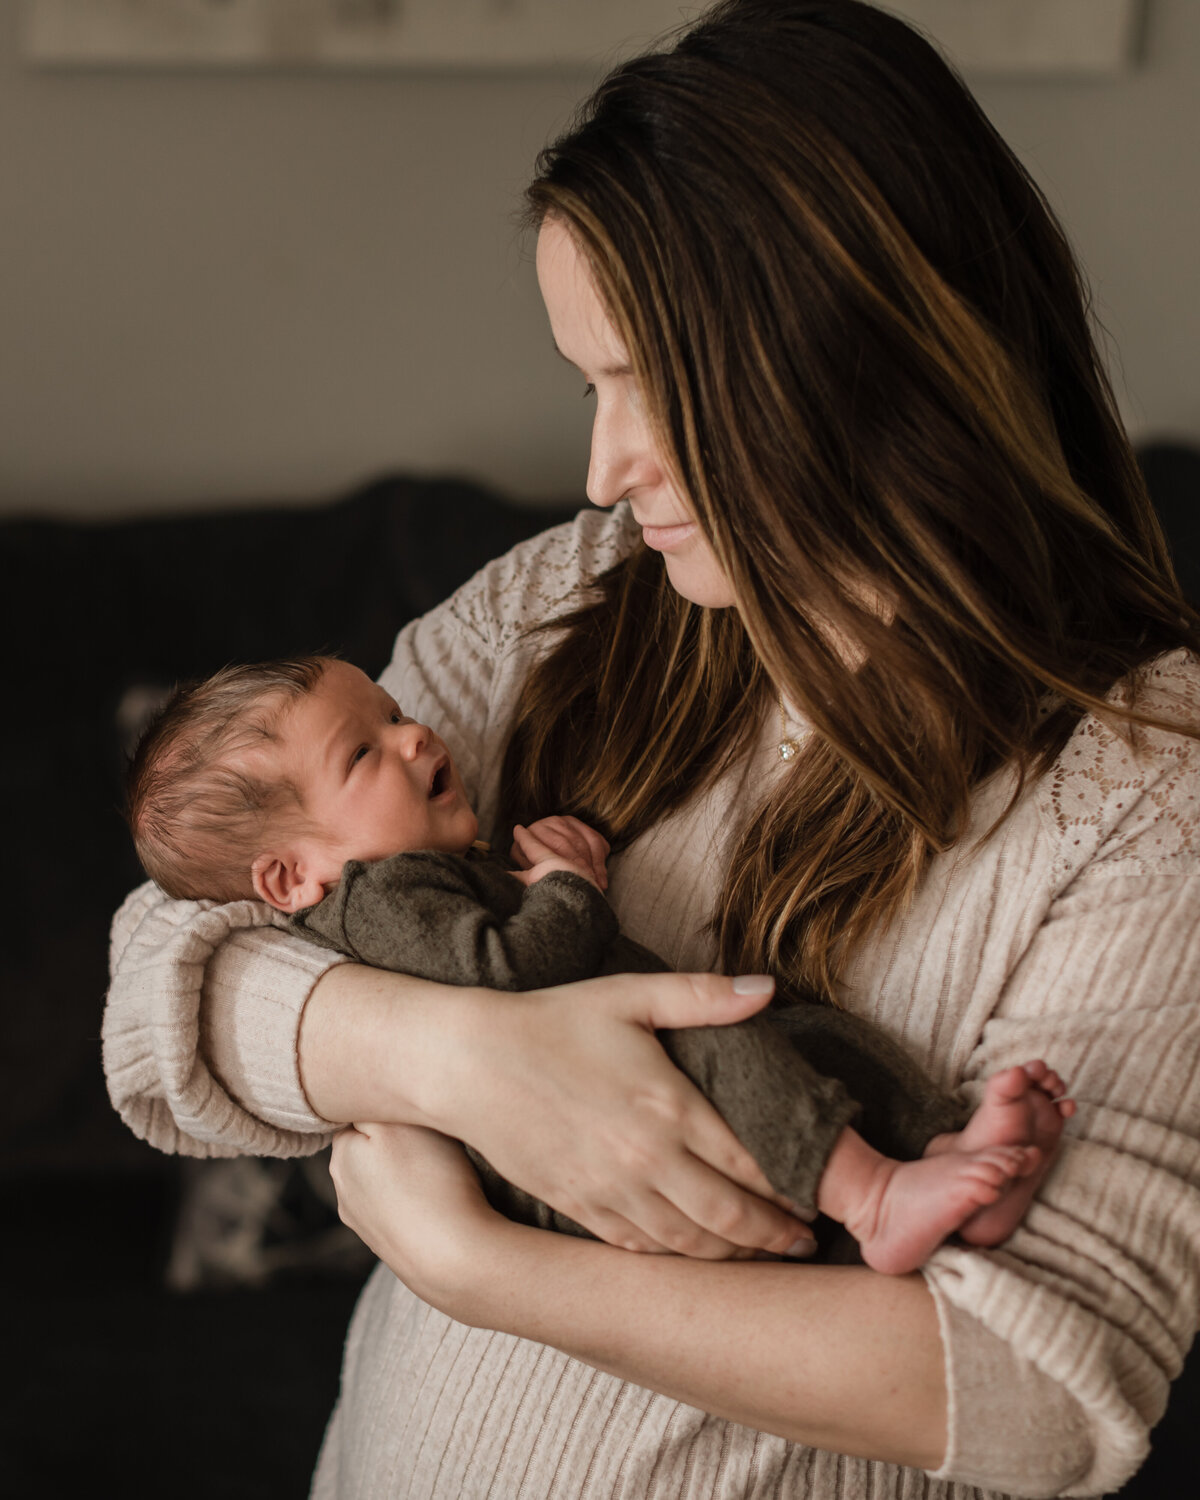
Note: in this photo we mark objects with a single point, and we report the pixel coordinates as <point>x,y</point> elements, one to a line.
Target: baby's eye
<point>589,390</point>
<point>359,753</point>
<point>395,717</point>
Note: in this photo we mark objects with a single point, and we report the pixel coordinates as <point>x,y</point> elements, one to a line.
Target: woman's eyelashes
<point>589,390</point>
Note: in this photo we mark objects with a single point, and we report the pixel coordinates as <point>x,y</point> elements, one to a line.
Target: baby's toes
<point>1007,1086</point>
<point>1003,1163</point>
<point>1051,1083</point>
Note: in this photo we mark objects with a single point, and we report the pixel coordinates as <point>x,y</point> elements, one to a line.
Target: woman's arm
<point>640,1156</point>
<point>225,1035</point>
<point>836,1357</point>
<point>200,1027</point>
<point>833,1356</point>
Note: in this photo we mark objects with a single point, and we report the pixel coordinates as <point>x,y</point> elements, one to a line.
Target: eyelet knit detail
<point>542,580</point>
<point>1130,788</point>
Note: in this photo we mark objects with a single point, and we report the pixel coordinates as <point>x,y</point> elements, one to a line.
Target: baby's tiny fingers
<point>516,854</point>
<point>592,846</point>
<point>532,847</point>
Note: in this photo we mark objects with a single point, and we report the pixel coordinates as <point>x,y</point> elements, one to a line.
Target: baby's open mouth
<point>440,780</point>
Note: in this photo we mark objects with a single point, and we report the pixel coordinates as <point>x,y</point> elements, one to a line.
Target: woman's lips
<point>664,538</point>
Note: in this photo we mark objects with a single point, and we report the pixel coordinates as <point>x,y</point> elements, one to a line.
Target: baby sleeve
<point>446,918</point>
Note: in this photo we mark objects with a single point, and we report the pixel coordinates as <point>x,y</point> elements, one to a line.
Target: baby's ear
<point>282,882</point>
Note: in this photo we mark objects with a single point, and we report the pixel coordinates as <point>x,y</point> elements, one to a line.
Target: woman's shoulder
<point>541,579</point>
<point>1125,798</point>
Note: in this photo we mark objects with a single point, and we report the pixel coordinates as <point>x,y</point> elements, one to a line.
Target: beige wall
<point>219,288</point>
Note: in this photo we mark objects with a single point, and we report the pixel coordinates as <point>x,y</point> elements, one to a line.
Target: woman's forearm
<point>376,1045</point>
<point>836,1357</point>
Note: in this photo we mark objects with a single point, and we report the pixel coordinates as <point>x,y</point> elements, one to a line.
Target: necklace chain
<point>788,747</point>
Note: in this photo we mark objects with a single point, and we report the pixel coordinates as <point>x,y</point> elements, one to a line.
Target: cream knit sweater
<point>1073,934</point>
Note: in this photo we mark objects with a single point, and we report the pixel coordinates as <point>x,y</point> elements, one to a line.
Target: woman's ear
<point>286,881</point>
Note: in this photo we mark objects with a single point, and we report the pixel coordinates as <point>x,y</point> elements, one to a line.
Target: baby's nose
<point>414,737</point>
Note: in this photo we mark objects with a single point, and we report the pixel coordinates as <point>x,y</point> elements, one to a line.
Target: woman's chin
<point>700,579</point>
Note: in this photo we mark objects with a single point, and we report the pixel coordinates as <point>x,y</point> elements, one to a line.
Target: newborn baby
<point>302,783</point>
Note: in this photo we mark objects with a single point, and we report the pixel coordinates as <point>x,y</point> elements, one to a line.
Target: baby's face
<point>372,781</point>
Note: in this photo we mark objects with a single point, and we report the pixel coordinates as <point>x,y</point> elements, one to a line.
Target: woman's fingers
<point>411,1195</point>
<point>722,1159</point>
<point>692,1209</point>
<point>703,1219</point>
<point>675,1001</point>
<point>580,1065</point>
<point>663,1230</point>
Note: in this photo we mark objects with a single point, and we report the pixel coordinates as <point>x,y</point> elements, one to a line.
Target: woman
<point>881,683</point>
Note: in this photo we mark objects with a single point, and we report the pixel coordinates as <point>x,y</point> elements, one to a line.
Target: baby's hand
<point>548,867</point>
<point>561,843</point>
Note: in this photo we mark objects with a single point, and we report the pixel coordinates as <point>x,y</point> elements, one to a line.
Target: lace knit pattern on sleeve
<point>1123,800</point>
<point>542,579</point>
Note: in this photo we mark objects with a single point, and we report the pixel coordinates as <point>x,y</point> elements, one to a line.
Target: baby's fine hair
<point>196,814</point>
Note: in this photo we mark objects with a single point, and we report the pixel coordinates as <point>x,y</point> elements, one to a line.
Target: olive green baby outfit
<point>787,1082</point>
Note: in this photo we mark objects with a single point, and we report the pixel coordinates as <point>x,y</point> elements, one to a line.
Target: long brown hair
<point>865,347</point>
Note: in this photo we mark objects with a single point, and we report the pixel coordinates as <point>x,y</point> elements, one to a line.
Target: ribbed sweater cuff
<point>255,990</point>
<point>994,1394</point>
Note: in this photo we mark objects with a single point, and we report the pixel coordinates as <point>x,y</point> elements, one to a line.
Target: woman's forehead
<point>583,332</point>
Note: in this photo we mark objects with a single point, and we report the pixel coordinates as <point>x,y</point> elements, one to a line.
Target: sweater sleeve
<point>1084,1316</point>
<point>203,1013</point>
<point>176,967</point>
<point>439,917</point>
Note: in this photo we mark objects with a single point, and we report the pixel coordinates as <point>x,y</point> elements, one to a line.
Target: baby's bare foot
<point>1021,1107</point>
<point>914,1205</point>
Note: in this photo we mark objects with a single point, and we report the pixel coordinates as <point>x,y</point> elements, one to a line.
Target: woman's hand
<point>568,1094</point>
<point>565,1091</point>
<point>412,1196</point>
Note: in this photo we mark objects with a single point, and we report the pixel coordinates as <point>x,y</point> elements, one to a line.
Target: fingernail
<point>804,1249</point>
<point>753,984</point>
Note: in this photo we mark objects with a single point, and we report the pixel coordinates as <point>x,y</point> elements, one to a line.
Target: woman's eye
<point>395,717</point>
<point>589,390</point>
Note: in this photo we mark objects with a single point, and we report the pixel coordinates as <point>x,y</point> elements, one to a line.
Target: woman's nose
<point>622,457</point>
<point>604,486</point>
